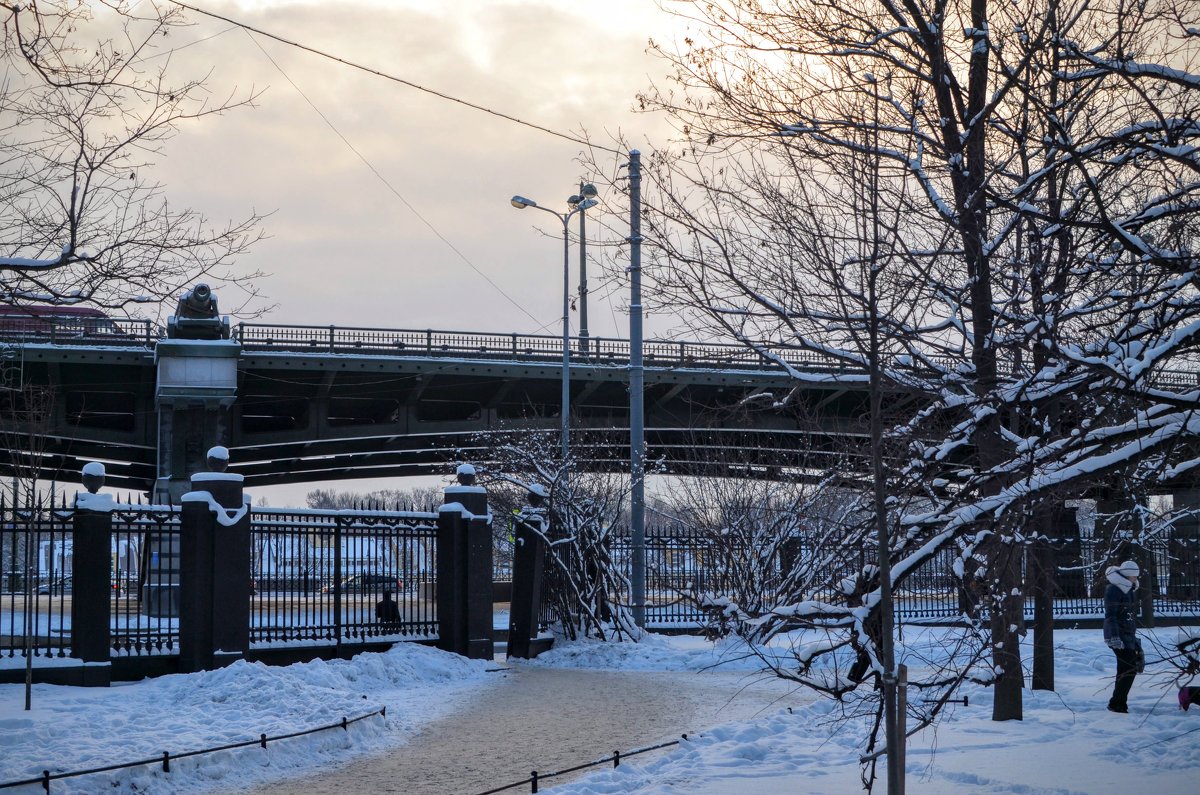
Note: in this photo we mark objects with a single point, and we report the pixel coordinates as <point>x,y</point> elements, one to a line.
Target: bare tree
<point>995,204</point>
<point>586,578</point>
<point>87,103</point>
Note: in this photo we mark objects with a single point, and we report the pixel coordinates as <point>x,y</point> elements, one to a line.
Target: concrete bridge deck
<point>325,402</point>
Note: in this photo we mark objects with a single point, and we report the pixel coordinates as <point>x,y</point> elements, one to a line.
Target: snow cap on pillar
<point>93,476</point>
<point>218,458</point>
<point>465,475</point>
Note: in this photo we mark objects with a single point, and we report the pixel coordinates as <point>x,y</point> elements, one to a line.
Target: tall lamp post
<point>520,202</point>
<point>586,191</point>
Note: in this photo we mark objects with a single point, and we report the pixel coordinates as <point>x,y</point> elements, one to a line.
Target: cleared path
<point>546,720</point>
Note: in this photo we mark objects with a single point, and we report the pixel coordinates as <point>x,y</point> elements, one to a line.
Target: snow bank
<point>1067,743</point>
<point>78,728</point>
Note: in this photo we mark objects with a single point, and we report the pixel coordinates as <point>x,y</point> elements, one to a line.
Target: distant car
<point>358,583</point>
<point>56,587</point>
<point>63,585</point>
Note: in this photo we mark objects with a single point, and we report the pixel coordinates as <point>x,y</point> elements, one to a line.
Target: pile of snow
<point>1068,741</point>
<point>655,653</point>
<point>72,728</point>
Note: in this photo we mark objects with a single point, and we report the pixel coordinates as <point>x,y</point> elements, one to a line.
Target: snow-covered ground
<point>1068,742</point>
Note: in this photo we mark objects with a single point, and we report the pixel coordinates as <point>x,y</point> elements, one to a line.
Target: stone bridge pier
<point>195,390</point>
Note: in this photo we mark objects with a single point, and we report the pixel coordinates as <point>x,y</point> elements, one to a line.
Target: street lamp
<point>520,202</point>
<point>586,191</point>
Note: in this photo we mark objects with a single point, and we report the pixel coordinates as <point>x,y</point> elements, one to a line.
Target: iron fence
<point>35,578</point>
<point>316,578</point>
<point>320,576</point>
<point>145,580</point>
<point>683,563</point>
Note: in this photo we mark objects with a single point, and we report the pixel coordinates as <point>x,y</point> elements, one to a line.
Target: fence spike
<point>46,780</point>
<point>533,781</point>
<point>262,738</point>
<point>166,762</point>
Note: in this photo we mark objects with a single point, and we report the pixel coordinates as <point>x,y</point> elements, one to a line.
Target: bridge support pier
<point>197,385</point>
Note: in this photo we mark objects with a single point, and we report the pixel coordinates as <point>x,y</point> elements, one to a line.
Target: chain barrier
<point>165,759</point>
<point>536,778</point>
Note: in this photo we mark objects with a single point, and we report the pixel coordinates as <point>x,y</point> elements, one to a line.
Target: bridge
<point>309,403</point>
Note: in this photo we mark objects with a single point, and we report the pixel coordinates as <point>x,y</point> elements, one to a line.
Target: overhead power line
<point>388,184</point>
<point>400,80</point>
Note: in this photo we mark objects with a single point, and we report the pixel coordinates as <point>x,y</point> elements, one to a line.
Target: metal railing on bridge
<point>600,351</point>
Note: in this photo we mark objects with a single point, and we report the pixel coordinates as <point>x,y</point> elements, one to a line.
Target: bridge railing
<point>520,347</point>
<point>83,330</point>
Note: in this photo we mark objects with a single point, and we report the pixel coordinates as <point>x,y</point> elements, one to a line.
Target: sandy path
<point>548,719</point>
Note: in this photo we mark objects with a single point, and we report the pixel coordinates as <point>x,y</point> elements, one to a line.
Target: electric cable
<point>388,184</point>
<point>400,80</point>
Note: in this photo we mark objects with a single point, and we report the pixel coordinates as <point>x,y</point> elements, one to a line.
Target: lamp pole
<point>520,202</point>
<point>637,431</point>
<point>586,191</point>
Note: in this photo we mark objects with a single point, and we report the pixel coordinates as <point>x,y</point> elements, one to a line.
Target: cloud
<point>344,247</point>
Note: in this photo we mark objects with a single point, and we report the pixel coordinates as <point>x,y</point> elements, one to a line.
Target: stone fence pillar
<point>464,570</point>
<point>91,586</point>
<point>214,609</point>
<point>529,561</point>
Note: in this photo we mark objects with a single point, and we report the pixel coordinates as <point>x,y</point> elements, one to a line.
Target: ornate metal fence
<point>682,563</point>
<point>145,580</point>
<point>35,578</point>
<point>320,576</point>
<point>317,578</point>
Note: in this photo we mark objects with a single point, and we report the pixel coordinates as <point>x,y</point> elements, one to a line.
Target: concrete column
<point>197,384</point>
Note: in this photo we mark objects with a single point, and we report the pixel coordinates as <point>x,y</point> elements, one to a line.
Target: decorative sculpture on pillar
<point>536,496</point>
<point>197,317</point>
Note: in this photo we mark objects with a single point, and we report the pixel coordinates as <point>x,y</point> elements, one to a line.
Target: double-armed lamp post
<point>579,204</point>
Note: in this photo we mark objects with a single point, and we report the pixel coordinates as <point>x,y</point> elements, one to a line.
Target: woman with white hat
<point>1120,630</point>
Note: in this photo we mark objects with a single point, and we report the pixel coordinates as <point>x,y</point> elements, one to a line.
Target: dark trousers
<point>1126,671</point>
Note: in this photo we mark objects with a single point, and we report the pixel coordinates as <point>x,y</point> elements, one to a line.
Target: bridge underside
<point>308,418</point>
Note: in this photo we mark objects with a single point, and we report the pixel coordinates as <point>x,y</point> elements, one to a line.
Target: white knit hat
<point>1129,569</point>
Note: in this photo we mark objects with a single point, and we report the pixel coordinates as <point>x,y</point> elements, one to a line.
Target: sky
<point>1067,744</point>
<point>431,240</point>
<point>388,207</point>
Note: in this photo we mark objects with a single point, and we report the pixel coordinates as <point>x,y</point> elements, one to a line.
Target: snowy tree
<point>1007,193</point>
<point>87,102</point>
<point>585,580</point>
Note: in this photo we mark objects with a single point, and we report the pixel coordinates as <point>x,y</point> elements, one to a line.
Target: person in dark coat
<point>1120,629</point>
<point>386,610</point>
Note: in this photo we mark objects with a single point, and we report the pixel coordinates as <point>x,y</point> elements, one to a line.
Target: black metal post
<point>529,560</point>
